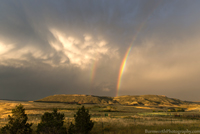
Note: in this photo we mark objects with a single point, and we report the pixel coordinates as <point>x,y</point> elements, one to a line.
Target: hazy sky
<point>52,47</point>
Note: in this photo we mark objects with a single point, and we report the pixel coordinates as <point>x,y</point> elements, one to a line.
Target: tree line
<point>51,123</point>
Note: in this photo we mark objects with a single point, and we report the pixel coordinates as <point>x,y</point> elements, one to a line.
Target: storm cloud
<point>76,47</point>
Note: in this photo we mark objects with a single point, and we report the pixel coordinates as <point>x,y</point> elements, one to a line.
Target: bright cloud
<point>81,52</point>
<point>5,48</point>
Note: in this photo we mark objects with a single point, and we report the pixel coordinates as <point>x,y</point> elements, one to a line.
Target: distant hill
<point>124,100</point>
<point>149,100</point>
<point>75,98</point>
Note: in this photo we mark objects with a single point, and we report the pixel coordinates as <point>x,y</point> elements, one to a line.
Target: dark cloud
<point>34,83</point>
<point>53,47</point>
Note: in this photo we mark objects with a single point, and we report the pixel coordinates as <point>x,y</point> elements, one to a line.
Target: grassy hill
<point>79,99</point>
<point>124,100</point>
<point>148,100</point>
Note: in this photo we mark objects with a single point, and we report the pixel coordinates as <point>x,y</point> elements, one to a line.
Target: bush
<point>180,110</point>
<point>52,123</point>
<point>17,122</point>
<point>83,124</point>
<point>171,110</point>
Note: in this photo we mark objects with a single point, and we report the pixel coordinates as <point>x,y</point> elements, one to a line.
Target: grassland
<point>115,118</point>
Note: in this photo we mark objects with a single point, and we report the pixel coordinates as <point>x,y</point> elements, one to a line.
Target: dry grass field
<point>114,118</point>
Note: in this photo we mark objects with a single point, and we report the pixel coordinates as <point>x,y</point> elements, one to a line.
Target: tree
<point>17,122</point>
<point>71,129</point>
<point>83,124</point>
<point>52,123</point>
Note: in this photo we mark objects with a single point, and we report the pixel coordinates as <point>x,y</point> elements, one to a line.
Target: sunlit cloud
<point>5,48</point>
<point>81,52</point>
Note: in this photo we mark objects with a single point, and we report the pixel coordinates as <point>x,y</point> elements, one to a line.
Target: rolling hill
<point>123,100</point>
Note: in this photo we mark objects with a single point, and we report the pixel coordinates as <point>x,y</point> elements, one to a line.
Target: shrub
<point>83,124</point>
<point>52,123</point>
<point>171,110</point>
<point>180,110</point>
<point>17,122</point>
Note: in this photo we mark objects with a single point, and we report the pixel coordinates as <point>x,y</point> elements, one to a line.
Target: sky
<point>104,48</point>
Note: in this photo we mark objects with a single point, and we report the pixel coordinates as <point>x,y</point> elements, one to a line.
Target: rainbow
<point>93,70</point>
<point>124,61</point>
<point>92,75</point>
<point>122,68</point>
